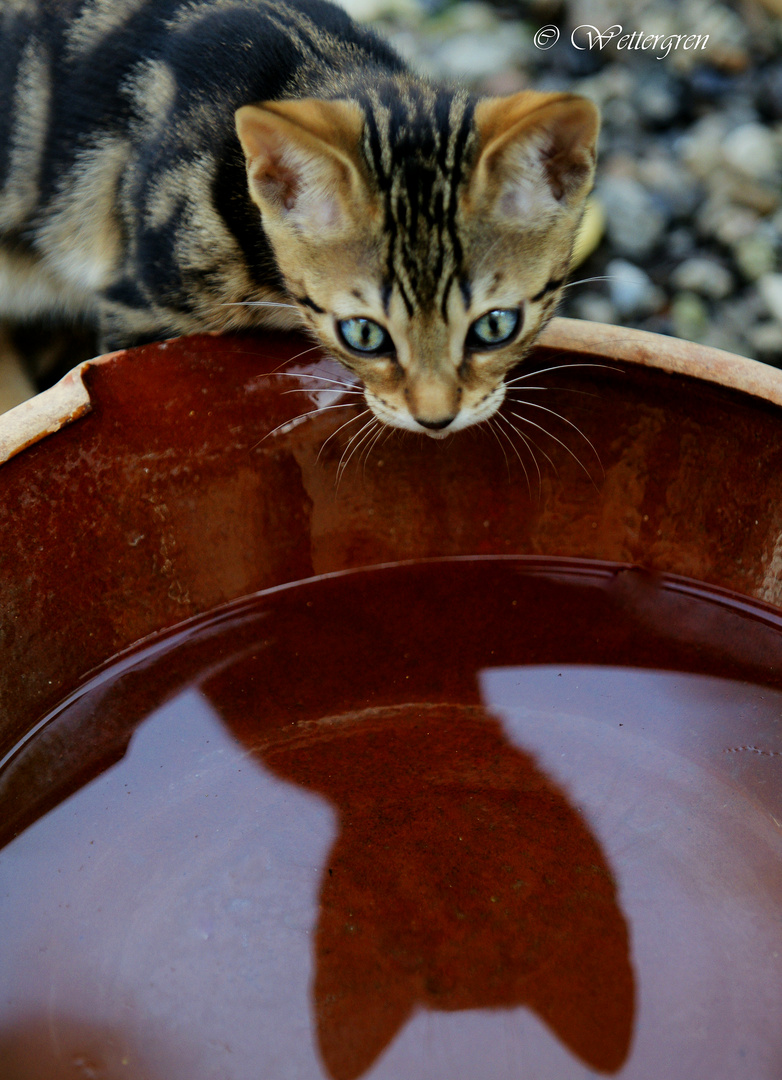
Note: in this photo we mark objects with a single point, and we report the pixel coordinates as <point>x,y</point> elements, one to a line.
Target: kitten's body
<point>370,201</point>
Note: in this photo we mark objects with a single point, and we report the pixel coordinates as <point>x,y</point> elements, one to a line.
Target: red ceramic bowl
<point>334,755</point>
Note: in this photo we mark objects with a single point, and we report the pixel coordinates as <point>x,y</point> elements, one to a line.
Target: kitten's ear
<point>362,998</point>
<point>537,153</point>
<point>302,160</point>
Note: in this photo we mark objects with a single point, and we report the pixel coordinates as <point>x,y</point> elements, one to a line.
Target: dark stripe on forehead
<point>439,220</point>
<point>307,301</point>
<point>374,144</point>
<point>405,298</point>
<point>446,293</point>
<point>466,290</point>
<point>460,148</point>
<point>550,286</point>
<point>373,138</point>
<point>417,143</point>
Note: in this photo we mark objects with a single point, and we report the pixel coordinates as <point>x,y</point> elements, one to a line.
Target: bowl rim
<point>66,401</point>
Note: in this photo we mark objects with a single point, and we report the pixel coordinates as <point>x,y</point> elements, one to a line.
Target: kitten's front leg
<point>16,385</point>
<point>123,326</point>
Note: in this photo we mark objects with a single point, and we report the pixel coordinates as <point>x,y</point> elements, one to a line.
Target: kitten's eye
<point>365,337</point>
<point>494,328</point>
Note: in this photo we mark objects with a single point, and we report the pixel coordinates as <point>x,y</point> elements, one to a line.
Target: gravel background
<point>689,186</point>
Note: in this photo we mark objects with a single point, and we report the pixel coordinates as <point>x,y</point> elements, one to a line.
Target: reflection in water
<point>60,1048</point>
<point>461,878</point>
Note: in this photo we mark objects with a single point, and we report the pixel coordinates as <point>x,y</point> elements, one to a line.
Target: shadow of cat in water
<point>461,878</point>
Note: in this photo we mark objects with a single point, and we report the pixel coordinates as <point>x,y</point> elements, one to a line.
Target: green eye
<point>365,336</point>
<point>494,328</point>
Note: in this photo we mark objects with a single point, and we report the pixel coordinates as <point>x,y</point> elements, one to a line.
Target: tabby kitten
<point>178,166</point>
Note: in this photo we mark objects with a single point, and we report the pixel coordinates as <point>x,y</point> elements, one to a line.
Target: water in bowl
<point>477,818</point>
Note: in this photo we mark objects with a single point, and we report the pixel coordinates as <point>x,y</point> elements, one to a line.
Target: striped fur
<point>176,166</point>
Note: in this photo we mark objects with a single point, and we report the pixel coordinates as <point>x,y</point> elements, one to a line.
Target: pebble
<point>594,307</point>
<point>755,255</point>
<point>473,58</point>
<point>470,17</point>
<point>621,113</point>
<point>677,190</point>
<point>634,222</point>
<point>701,147</point>
<point>614,81</point>
<point>371,10</point>
<point>728,34</point>
<point>689,316</point>
<point>707,84</point>
<point>766,339</point>
<point>752,149</point>
<point>680,242</point>
<point>718,337</point>
<point>740,313</point>
<point>724,221</point>
<point>703,276</point>
<point>770,288</point>
<point>769,92</point>
<point>577,63</point>
<point>658,97</point>
<point>631,290</point>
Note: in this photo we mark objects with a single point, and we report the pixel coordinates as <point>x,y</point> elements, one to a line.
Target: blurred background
<point>686,222</point>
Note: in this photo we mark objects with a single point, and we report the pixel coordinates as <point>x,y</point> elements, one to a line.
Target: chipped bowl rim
<point>66,401</point>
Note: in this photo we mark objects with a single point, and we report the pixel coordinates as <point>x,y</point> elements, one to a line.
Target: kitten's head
<point>425,237</point>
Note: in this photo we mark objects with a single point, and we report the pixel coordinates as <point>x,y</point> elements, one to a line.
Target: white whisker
<point>490,425</point>
<point>515,449</point>
<point>308,375</point>
<point>564,445</point>
<point>557,389</point>
<point>322,390</point>
<point>529,444</point>
<point>286,423</point>
<point>288,360</point>
<point>601,277</point>
<point>344,461</point>
<point>303,416</point>
<point>564,419</point>
<point>370,448</point>
<point>559,367</point>
<point>260,303</point>
<point>390,430</point>
<point>304,352</point>
<point>331,436</point>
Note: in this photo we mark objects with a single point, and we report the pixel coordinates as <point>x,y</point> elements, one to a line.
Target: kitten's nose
<point>435,425</point>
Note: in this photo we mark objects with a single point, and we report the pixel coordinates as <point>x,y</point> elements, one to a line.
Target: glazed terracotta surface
<point>509,809</point>
<point>171,496</point>
<point>341,829</point>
